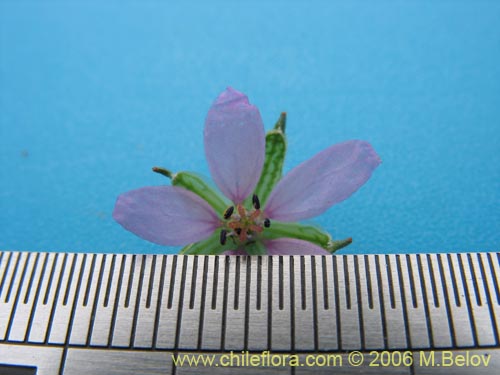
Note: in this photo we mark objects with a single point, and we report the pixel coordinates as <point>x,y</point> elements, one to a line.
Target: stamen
<point>267,222</point>
<point>229,212</point>
<point>255,228</point>
<point>234,224</point>
<point>243,236</point>
<point>241,211</point>
<point>256,202</point>
<point>254,215</point>
<point>223,237</point>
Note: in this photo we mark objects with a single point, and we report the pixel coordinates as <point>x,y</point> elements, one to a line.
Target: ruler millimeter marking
<point>299,304</point>
<point>130,301</point>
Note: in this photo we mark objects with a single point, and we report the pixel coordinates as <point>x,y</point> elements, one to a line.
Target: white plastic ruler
<point>66,313</point>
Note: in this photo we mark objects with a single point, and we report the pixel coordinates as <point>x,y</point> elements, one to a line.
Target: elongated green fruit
<point>210,246</point>
<point>299,231</point>
<point>255,248</point>
<point>303,232</point>
<point>273,162</point>
<point>198,185</point>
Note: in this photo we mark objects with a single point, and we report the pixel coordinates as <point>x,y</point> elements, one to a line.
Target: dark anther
<point>238,231</point>
<point>228,212</point>
<point>255,201</point>
<point>223,235</point>
<point>267,223</point>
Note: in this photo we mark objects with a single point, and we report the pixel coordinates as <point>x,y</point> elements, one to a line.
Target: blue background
<point>93,94</point>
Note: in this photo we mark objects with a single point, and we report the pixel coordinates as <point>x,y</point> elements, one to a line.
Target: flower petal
<point>234,144</point>
<point>166,215</point>
<point>322,181</point>
<point>292,246</point>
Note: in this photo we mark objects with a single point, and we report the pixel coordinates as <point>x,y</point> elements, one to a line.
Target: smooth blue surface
<point>92,95</point>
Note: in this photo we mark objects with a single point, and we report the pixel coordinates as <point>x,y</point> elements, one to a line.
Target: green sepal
<point>304,232</point>
<point>198,185</point>
<point>255,248</point>
<point>210,246</point>
<point>273,162</point>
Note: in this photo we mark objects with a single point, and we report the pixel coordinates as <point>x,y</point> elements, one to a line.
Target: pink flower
<point>234,141</point>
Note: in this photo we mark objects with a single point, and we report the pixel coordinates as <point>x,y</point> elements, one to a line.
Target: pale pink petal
<point>322,181</point>
<point>166,215</point>
<point>292,246</point>
<point>234,144</point>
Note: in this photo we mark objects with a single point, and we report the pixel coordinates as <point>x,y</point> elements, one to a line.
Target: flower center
<point>242,225</point>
